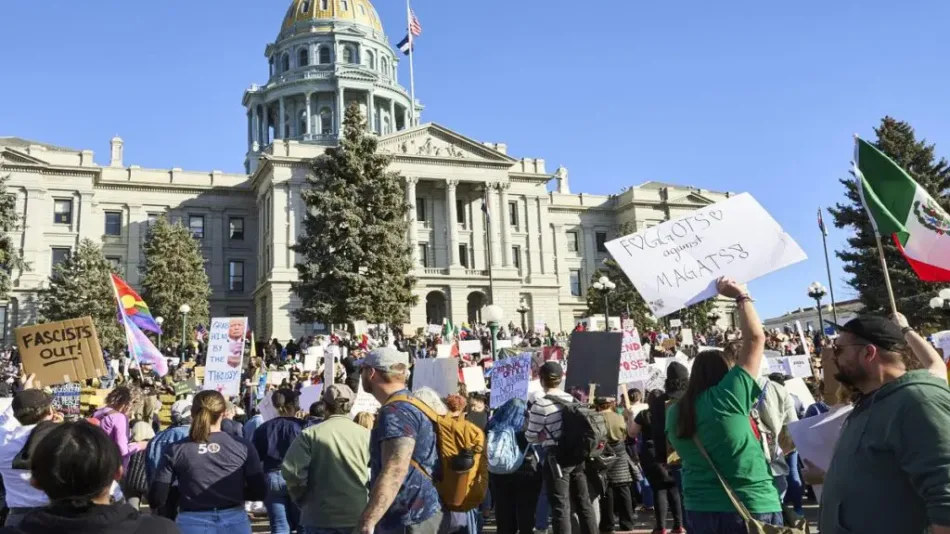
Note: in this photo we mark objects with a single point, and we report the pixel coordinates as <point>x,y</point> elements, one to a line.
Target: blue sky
<point>742,95</point>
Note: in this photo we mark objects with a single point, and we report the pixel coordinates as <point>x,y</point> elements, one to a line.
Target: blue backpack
<point>504,455</point>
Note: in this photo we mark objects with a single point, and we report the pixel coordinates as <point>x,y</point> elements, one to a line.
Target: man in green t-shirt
<point>715,409</point>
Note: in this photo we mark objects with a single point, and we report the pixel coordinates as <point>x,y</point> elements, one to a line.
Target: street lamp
<point>817,292</point>
<point>942,301</point>
<point>523,309</point>
<point>184,310</point>
<point>604,285</point>
<point>493,315</point>
<point>714,317</point>
<point>160,321</point>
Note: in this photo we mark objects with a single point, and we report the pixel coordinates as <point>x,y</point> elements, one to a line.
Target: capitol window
<point>324,5</point>
<point>305,6</point>
<point>285,63</point>
<point>575,282</point>
<point>572,241</point>
<point>196,223</point>
<point>236,227</point>
<point>60,255</point>
<point>236,276</point>
<point>326,121</point>
<point>371,60</point>
<point>345,5</point>
<point>349,54</point>
<point>600,238</point>
<point>362,9</point>
<point>303,58</point>
<point>113,223</point>
<point>63,211</point>
<point>387,126</point>
<point>324,55</point>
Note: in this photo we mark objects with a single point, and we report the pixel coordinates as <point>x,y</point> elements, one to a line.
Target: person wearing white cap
<point>336,450</point>
<point>181,423</point>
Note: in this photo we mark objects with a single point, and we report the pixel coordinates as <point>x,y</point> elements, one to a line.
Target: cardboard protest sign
<point>434,329</point>
<point>443,351</point>
<point>360,327</point>
<point>61,352</point>
<point>687,334</point>
<point>276,377</point>
<point>633,359</point>
<point>779,365</point>
<point>267,409</point>
<point>676,264</point>
<point>799,366</point>
<point>594,358</point>
<point>828,370</point>
<point>66,399</point>
<point>313,357</point>
<point>801,336</point>
<point>474,379</point>
<point>329,364</point>
<point>503,344</point>
<point>440,374</point>
<point>470,346</point>
<point>225,355</point>
<point>310,395</point>
<point>797,387</point>
<point>676,323</point>
<point>657,376</point>
<point>187,387</point>
<point>539,327</point>
<point>509,379</point>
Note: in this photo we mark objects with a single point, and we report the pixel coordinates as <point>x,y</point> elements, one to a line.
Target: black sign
<point>594,358</point>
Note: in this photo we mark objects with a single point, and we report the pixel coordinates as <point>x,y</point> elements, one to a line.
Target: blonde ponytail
<point>206,409</point>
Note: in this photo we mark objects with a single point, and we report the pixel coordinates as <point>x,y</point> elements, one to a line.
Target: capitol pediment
<point>9,155</point>
<point>691,197</point>
<point>433,141</point>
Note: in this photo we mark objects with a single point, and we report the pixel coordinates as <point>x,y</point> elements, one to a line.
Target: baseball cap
<point>30,399</point>
<point>383,358</point>
<point>878,330</point>
<point>551,369</point>
<point>338,392</point>
<point>181,410</point>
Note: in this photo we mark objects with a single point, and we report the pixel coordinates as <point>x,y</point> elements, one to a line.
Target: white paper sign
<point>675,323</point>
<point>799,366</point>
<point>434,329</point>
<point>509,379</point>
<point>539,327</point>
<point>225,355</point>
<point>801,336</point>
<point>266,407</point>
<point>474,379</point>
<point>440,374</point>
<point>779,365</point>
<point>633,359</point>
<point>687,336</point>
<point>503,344</point>
<point>329,364</point>
<point>657,376</point>
<point>360,327</point>
<point>364,402</point>
<point>676,264</point>
<point>313,357</point>
<point>276,377</point>
<point>310,395</point>
<point>470,347</point>
<point>815,437</point>
<point>443,351</point>
<point>797,387</point>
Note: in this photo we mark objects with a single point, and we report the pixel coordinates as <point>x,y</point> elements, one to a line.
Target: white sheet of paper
<point>440,374</point>
<point>687,336</point>
<point>474,378</point>
<point>313,357</point>
<point>310,395</point>
<point>266,407</point>
<point>799,366</point>
<point>504,343</point>
<point>473,346</point>
<point>815,437</point>
<point>676,323</point>
<point>797,387</point>
<point>364,402</point>
<point>675,264</point>
<point>443,351</point>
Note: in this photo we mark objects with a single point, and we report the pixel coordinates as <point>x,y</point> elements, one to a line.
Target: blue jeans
<point>227,521</point>
<point>726,522</point>
<point>796,489</point>
<point>677,472</point>
<point>282,513</point>
<point>542,512</point>
<point>646,493</point>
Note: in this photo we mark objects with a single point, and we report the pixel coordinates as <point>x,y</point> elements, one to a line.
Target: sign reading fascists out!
<point>675,264</point>
<point>61,352</point>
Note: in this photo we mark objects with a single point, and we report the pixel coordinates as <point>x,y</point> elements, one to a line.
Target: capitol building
<point>544,239</point>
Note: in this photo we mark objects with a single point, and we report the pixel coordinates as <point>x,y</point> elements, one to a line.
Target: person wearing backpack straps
<point>710,429</point>
<point>404,457</point>
<point>564,478</point>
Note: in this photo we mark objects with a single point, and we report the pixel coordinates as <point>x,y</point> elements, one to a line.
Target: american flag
<point>485,207</point>
<point>821,224</point>
<point>415,27</point>
<point>201,332</point>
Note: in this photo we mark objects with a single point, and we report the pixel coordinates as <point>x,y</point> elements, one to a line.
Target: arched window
<point>324,55</point>
<point>305,6</point>
<point>270,64</point>
<point>285,62</point>
<point>362,9</point>
<point>371,60</point>
<point>384,66</point>
<point>303,57</point>
<point>345,5</point>
<point>302,126</point>
<point>349,54</point>
<point>326,121</point>
<point>323,5</point>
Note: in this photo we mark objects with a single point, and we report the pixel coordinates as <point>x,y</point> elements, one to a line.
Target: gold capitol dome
<point>357,11</point>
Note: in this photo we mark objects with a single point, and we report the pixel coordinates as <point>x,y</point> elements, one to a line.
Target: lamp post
<point>941,301</point>
<point>604,285</point>
<point>160,321</point>
<point>523,309</point>
<point>714,317</point>
<point>493,315</point>
<point>184,310</point>
<point>817,292</point>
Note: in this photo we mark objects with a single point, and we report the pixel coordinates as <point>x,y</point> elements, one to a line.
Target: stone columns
<point>266,125</point>
<point>309,116</point>
<point>493,224</point>
<point>340,110</point>
<point>281,120</point>
<point>407,119</point>
<point>218,240</point>
<point>255,116</point>
<point>534,236</point>
<point>413,233</point>
<point>137,228</point>
<point>371,111</point>
<point>452,222</point>
<point>560,245</point>
<point>392,115</point>
<point>505,225</point>
<point>250,132</point>
<point>549,248</point>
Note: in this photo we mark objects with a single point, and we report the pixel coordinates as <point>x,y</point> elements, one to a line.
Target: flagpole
<point>858,177</point>
<point>831,285</point>
<point>412,73</point>
<point>887,276</point>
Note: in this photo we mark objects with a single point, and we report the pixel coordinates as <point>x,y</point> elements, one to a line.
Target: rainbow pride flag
<point>141,348</point>
<point>133,307</point>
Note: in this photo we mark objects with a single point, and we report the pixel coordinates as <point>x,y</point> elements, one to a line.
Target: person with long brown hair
<point>114,418</point>
<point>711,429</point>
<point>216,473</point>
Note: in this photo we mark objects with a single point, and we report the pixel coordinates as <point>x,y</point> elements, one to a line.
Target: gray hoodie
<point>890,472</point>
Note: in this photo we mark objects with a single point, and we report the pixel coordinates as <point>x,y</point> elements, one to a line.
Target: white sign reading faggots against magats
<point>225,355</point>
<point>676,264</point>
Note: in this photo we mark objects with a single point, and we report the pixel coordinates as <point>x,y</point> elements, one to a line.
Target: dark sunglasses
<point>839,349</point>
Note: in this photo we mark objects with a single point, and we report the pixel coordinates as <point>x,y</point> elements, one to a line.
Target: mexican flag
<point>901,209</point>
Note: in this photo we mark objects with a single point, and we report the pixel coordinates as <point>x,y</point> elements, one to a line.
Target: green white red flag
<point>901,209</point>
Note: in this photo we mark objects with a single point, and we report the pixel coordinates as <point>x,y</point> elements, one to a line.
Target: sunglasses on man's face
<point>839,349</point>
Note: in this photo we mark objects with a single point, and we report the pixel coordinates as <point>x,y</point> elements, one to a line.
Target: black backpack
<point>583,433</point>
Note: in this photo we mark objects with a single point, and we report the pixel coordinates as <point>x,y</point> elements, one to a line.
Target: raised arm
<point>922,349</point>
<point>396,457</point>
<point>752,349</point>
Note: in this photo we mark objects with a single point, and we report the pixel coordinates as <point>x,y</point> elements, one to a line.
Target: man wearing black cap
<point>566,484</point>
<point>29,408</point>
<point>891,467</point>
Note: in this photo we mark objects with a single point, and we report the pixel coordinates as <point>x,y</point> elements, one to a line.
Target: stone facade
<point>540,245</point>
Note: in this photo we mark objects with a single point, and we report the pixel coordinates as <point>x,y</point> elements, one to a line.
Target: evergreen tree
<point>82,286</point>
<point>11,258</point>
<point>622,299</point>
<point>175,275</point>
<point>355,261</point>
<point>861,261</point>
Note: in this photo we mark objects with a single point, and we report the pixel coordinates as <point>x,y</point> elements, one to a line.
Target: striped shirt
<point>544,419</point>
